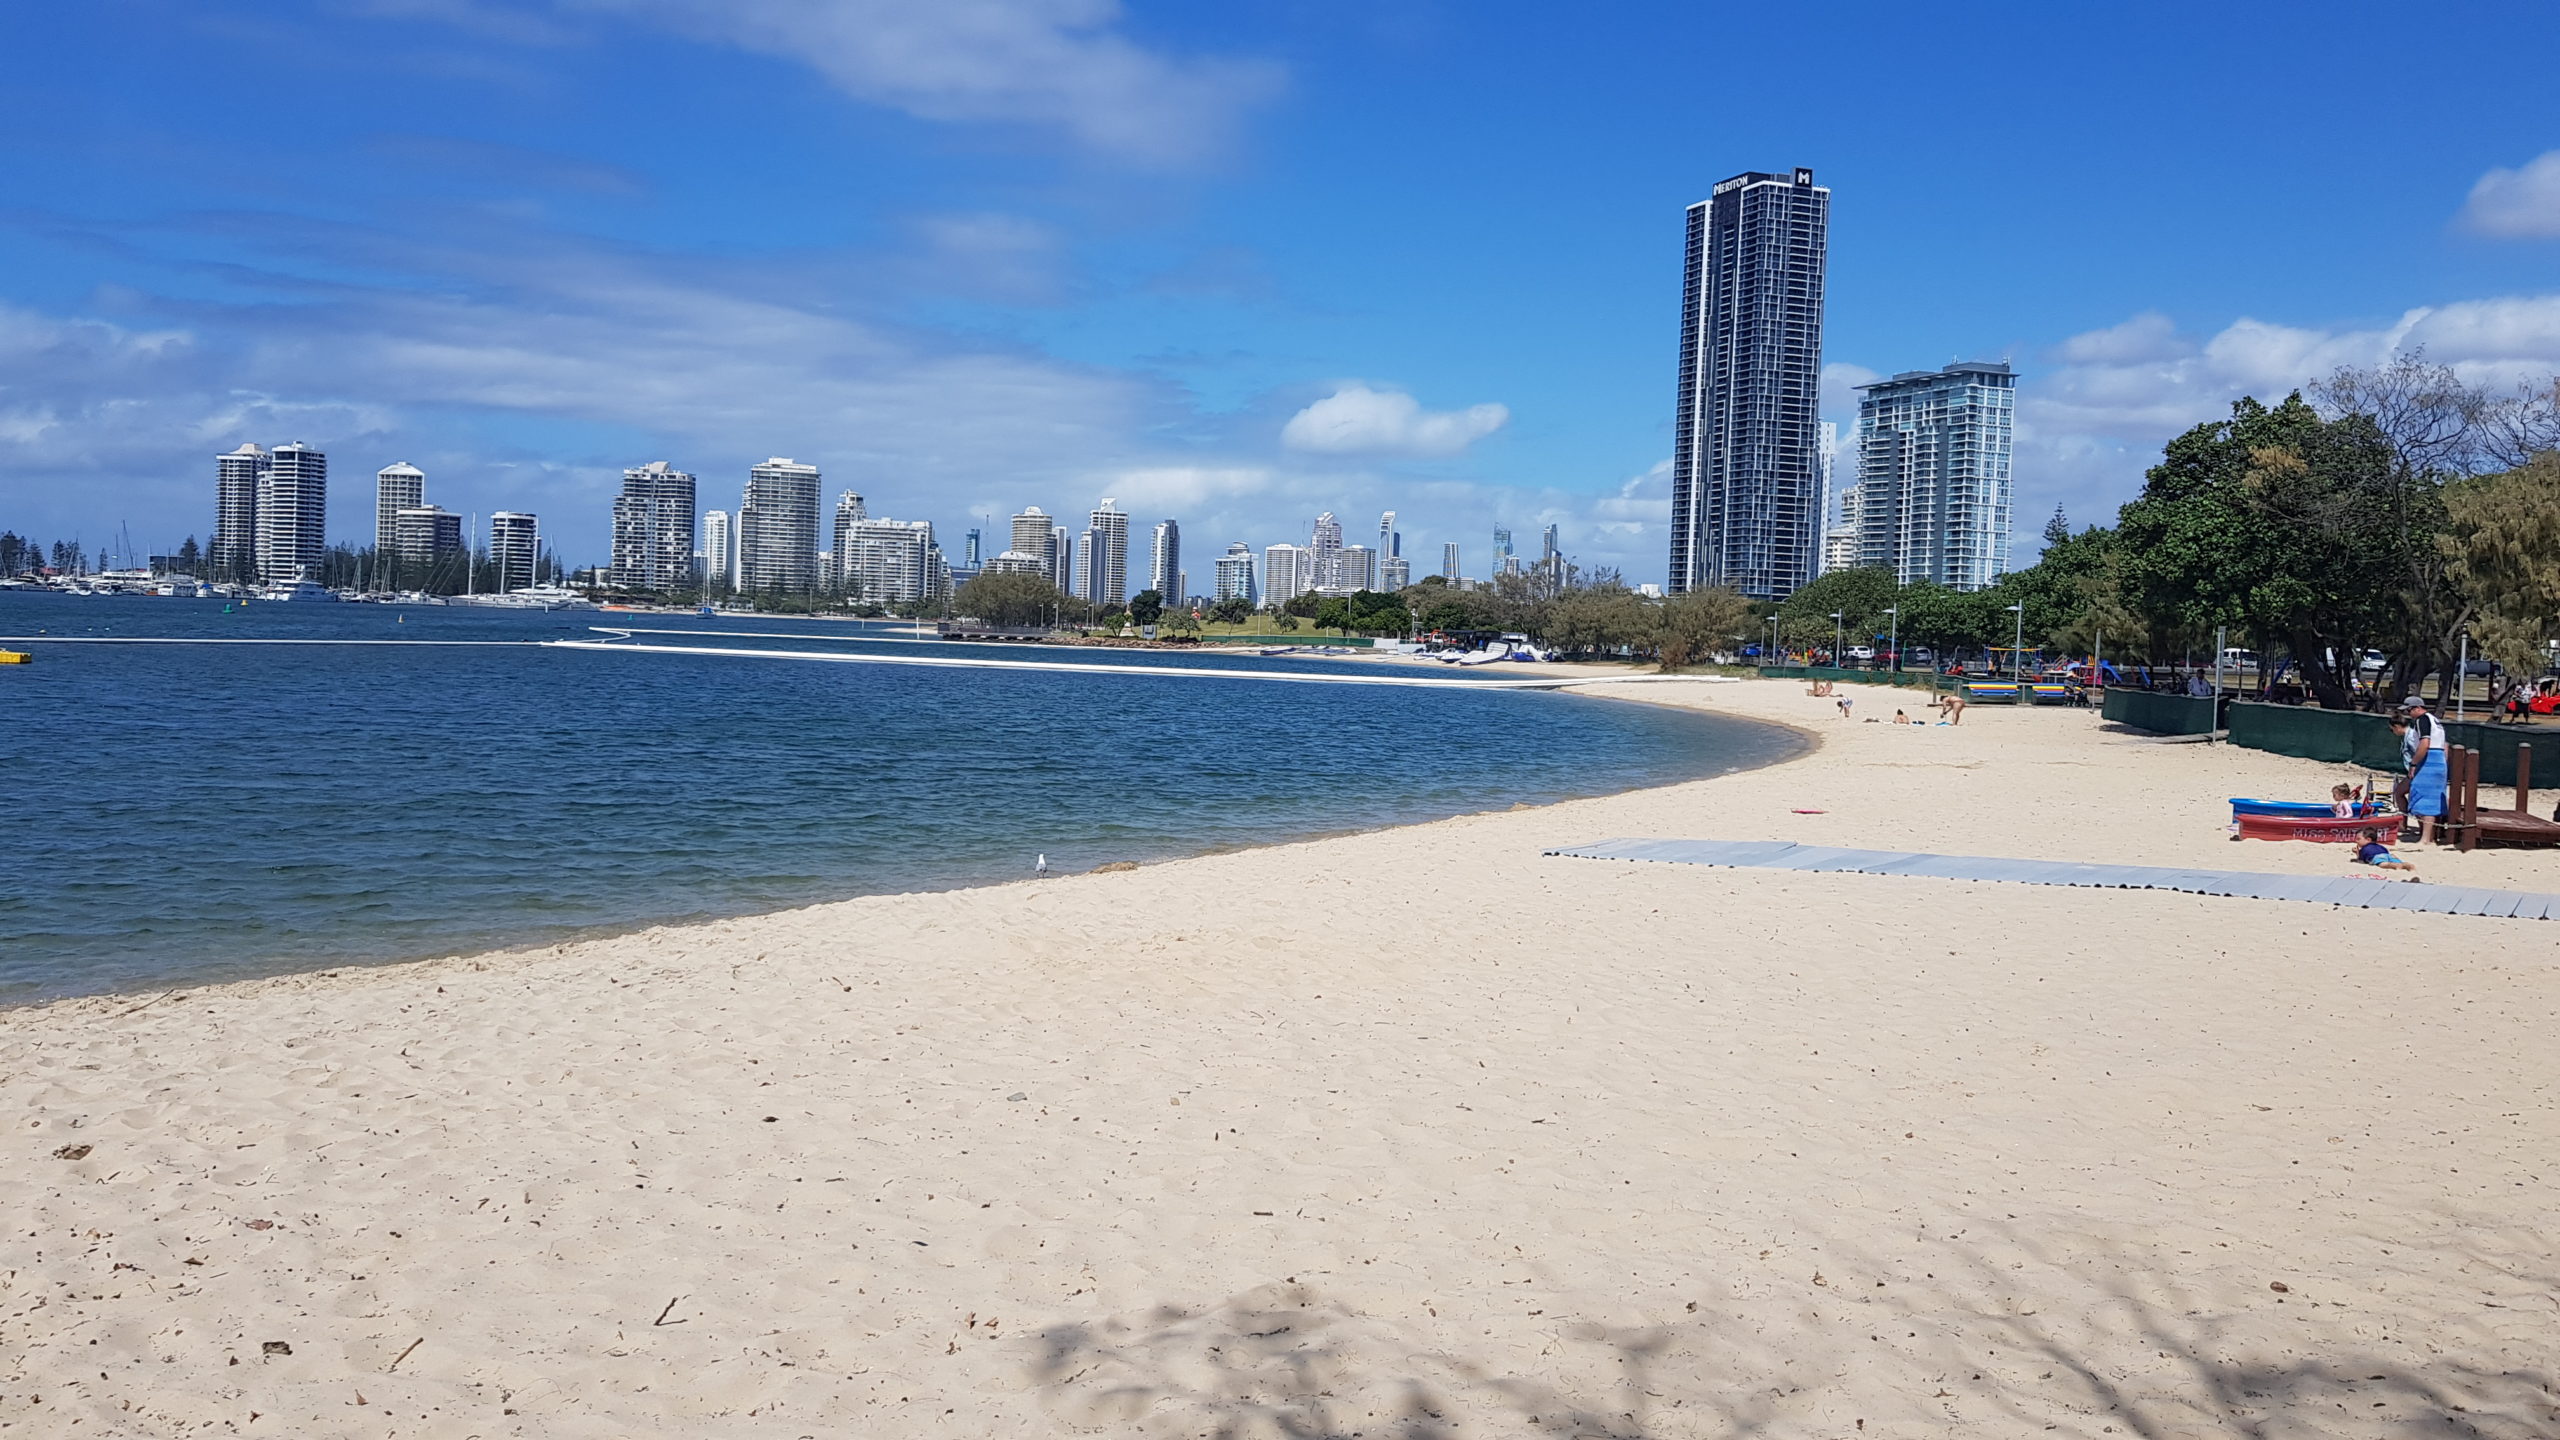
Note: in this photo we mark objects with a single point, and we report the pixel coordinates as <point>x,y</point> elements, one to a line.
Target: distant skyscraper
<point>1390,544</point>
<point>849,513</point>
<point>1394,573</point>
<point>1826,453</point>
<point>1110,568</point>
<point>1449,562</point>
<point>653,528</point>
<point>515,547</point>
<point>1840,542</point>
<point>1550,558</point>
<point>396,487</point>
<point>1933,474</point>
<point>1165,576</point>
<point>1325,552</point>
<point>889,562</point>
<point>1234,577</point>
<point>293,512</point>
<point>426,532</point>
<point>1501,548</point>
<point>719,549</point>
<point>1288,571</point>
<point>1014,562</point>
<point>235,512</point>
<point>1356,568</point>
<point>1062,559</point>
<point>778,528</point>
<point>969,553</point>
<point>1034,534</point>
<point>1744,507</point>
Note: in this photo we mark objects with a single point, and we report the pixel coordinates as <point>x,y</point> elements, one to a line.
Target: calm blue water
<point>185,813</point>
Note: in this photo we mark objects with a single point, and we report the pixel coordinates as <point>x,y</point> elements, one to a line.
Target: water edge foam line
<point>1070,666</point>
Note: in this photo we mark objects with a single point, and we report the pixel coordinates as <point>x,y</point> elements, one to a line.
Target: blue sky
<point>1233,263</point>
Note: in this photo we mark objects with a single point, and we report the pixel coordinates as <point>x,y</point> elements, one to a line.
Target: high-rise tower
<point>653,528</point>
<point>778,528</point>
<point>1744,508</point>
<point>1933,474</point>
<point>1165,576</point>
<point>515,548</point>
<point>1108,566</point>
<point>396,487</point>
<point>293,512</point>
<point>235,512</point>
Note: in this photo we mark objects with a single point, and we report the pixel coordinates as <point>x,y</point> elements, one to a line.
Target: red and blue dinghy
<point>2307,820</point>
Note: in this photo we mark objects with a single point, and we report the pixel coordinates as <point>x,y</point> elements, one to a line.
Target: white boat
<point>531,597</point>
<point>303,590</point>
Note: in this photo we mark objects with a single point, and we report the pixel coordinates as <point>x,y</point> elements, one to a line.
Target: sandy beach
<point>1411,1133</point>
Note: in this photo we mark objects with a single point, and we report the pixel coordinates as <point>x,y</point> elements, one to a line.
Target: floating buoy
<point>16,657</point>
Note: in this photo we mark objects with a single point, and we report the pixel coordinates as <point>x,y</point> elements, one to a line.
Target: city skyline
<point>526,289</point>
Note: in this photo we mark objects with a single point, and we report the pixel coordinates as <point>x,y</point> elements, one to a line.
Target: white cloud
<point>2088,426</point>
<point>2521,204</point>
<point>1356,420</point>
<point>1057,64</point>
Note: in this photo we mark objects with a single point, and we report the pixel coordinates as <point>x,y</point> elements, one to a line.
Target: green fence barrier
<point>2163,714</point>
<point>2354,738</point>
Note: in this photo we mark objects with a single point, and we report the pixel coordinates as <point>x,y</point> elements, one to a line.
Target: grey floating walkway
<point>2361,891</point>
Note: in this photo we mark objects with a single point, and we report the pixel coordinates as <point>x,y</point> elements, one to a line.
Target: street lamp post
<point>1839,631</point>
<point>2018,645</point>
<point>1893,635</point>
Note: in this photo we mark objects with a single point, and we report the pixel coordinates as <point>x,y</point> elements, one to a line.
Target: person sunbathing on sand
<point>1821,690</point>
<point>1901,719</point>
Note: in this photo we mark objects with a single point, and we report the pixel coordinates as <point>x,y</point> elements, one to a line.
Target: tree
<point>1000,598</point>
<point>1931,614</point>
<point>1600,618</point>
<point>2057,529</point>
<point>1145,606</point>
<point>1303,605</point>
<point>2295,528</point>
<point>1696,624</point>
<point>1284,622</point>
<point>188,557</point>
<point>1234,610</point>
<point>1860,595</point>
<point>2502,550</point>
<point>1178,624</point>
<point>1333,613</point>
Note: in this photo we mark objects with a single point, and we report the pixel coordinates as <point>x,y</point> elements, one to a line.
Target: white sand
<point>1414,1133</point>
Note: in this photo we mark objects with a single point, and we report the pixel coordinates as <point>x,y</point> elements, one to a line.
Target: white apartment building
<point>889,562</point>
<point>653,528</point>
<point>1288,571</point>
<point>235,511</point>
<point>396,487</point>
<point>1234,577</point>
<point>293,512</point>
<point>515,546</point>
<point>778,528</point>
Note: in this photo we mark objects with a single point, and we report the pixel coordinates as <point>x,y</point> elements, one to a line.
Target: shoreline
<point>1412,1124</point>
<point>1806,740</point>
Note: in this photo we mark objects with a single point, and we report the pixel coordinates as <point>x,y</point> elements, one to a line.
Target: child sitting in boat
<point>2342,801</point>
<point>2372,852</point>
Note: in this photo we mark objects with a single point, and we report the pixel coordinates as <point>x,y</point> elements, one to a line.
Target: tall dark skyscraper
<point>1745,502</point>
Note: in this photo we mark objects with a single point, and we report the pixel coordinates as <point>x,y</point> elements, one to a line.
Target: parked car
<point>1862,652</point>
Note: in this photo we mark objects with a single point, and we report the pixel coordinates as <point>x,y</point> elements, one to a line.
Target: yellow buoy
<point>15,657</point>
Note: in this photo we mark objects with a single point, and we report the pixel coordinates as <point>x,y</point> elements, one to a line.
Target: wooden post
<point>2466,762</point>
<point>2524,779</point>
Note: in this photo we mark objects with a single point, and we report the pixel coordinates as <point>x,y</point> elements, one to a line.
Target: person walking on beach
<point>2422,750</point>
